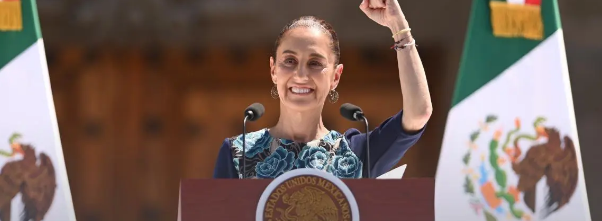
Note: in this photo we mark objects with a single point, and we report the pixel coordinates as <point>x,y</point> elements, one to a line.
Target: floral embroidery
<point>256,142</point>
<point>330,154</point>
<point>276,164</point>
<point>346,166</point>
<point>313,157</point>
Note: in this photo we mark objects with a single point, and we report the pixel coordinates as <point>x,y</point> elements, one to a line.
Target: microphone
<point>252,113</point>
<point>355,113</point>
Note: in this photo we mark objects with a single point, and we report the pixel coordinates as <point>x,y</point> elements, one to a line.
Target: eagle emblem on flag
<point>517,19</point>
<point>11,18</point>
<point>502,170</point>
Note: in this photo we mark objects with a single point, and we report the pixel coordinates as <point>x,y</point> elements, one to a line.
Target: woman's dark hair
<point>312,22</point>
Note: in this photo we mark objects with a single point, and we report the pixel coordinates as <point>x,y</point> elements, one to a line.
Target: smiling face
<point>306,67</point>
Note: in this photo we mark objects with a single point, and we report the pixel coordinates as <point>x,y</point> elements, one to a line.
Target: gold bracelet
<point>401,32</point>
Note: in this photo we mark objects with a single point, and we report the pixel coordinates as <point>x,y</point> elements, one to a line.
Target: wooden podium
<point>377,199</point>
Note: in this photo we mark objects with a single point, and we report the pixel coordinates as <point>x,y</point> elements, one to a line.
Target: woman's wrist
<point>398,25</point>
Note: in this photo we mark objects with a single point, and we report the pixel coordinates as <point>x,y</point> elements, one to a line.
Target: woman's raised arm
<point>417,105</point>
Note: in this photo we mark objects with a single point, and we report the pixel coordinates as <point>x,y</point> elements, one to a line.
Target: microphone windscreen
<point>257,109</point>
<point>348,111</point>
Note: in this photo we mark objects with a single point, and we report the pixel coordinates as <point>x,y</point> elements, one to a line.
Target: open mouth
<point>299,90</point>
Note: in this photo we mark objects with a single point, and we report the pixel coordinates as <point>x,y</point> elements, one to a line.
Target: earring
<point>274,92</point>
<point>333,96</point>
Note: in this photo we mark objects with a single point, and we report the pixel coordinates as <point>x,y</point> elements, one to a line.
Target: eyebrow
<point>312,54</point>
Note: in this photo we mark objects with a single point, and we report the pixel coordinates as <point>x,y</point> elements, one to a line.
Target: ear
<point>338,71</point>
<point>272,68</point>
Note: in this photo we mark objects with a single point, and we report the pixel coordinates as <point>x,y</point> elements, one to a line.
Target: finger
<point>377,3</point>
<point>364,6</point>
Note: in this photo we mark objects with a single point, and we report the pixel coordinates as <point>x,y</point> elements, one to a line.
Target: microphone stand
<point>252,113</point>
<point>360,116</point>
<point>244,147</point>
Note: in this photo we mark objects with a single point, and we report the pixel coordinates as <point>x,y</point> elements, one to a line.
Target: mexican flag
<point>33,178</point>
<point>510,149</point>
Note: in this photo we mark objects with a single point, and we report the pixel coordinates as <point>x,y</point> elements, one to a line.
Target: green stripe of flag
<point>486,56</point>
<point>12,43</point>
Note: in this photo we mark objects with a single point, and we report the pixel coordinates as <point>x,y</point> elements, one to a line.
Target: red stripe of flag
<point>533,2</point>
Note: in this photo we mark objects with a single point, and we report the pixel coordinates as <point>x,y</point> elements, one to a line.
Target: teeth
<point>297,90</point>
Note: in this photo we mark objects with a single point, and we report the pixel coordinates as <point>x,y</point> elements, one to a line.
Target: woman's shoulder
<point>251,138</point>
<point>390,127</point>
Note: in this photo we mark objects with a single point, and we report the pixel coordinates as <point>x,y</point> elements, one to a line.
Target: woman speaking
<point>305,70</point>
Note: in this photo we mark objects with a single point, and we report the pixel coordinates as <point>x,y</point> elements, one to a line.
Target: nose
<point>301,73</point>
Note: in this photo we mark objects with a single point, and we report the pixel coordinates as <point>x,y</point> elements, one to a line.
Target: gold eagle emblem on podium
<point>307,195</point>
<point>309,204</point>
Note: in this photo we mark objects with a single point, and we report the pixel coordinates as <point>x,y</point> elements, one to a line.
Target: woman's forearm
<point>417,106</point>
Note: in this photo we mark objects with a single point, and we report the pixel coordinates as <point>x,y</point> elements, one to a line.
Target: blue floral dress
<point>339,154</point>
<point>269,157</point>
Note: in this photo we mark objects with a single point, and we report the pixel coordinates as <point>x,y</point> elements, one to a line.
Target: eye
<point>316,64</point>
<point>289,61</point>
